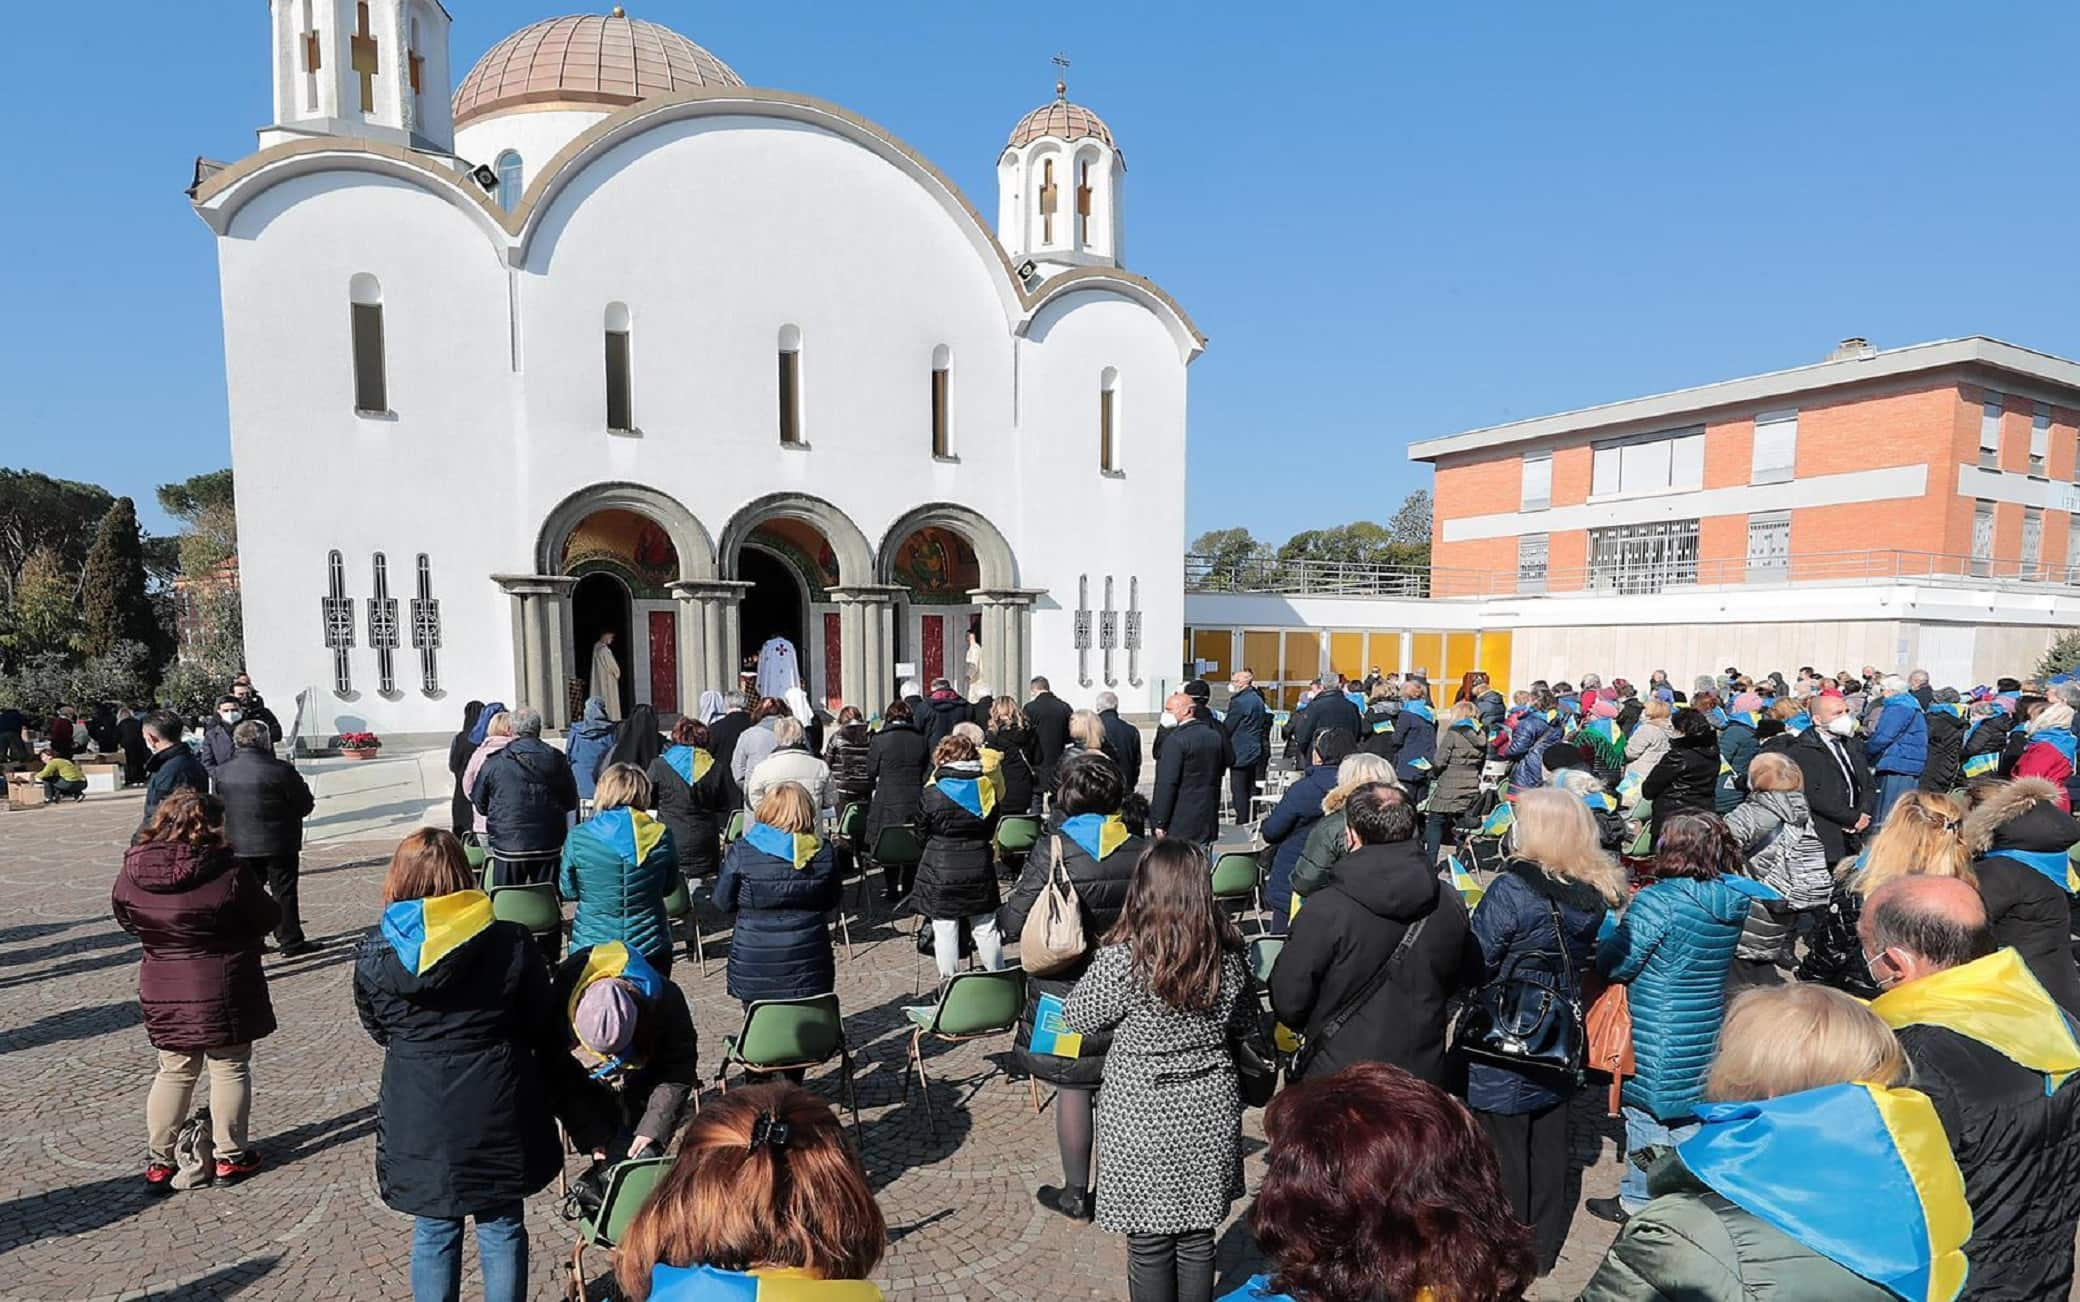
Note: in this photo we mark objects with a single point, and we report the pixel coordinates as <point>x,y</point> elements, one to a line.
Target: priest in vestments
<point>606,675</point>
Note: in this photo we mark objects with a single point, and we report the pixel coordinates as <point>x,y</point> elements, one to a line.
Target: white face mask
<point>1842,725</point>
<point>230,716</point>
<point>1168,720</point>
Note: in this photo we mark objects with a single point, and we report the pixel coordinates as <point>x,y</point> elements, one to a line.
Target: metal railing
<point>1269,575</point>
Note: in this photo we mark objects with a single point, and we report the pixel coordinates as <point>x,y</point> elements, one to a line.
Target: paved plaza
<point>75,1223</point>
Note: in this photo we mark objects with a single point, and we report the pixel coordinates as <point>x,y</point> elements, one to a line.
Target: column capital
<point>534,585</point>
<point>1013,597</point>
<point>730,590</point>
<point>864,593</point>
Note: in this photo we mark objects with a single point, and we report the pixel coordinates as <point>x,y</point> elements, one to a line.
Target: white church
<point>601,339</point>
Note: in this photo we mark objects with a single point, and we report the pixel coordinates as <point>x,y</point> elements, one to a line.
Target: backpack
<point>194,1152</point>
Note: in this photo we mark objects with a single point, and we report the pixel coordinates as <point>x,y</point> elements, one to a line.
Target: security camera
<point>485,177</point>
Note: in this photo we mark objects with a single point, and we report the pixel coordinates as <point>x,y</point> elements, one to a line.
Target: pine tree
<point>113,598</point>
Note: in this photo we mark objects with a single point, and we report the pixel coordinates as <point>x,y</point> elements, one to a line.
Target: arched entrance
<point>794,556</point>
<point>953,574</point>
<point>624,562</point>
<point>600,603</point>
<point>775,605</point>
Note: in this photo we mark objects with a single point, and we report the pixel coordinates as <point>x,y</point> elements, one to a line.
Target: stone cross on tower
<point>366,62</point>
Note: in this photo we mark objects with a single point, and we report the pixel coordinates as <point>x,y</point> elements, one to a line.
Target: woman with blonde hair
<point>1538,922</point>
<point>1743,1205</point>
<point>1011,736</point>
<point>1455,773</point>
<point>1086,733</point>
<point>1645,745</point>
<point>781,882</point>
<point>619,865</point>
<point>1923,835</point>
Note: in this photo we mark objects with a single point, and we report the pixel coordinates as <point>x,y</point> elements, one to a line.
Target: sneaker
<point>158,1179</point>
<point>231,1170</point>
<point>1607,1209</point>
<point>1072,1203</point>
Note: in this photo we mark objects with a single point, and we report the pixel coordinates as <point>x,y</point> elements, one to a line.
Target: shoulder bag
<point>1051,938</point>
<point>1516,1021</point>
<point>1337,1020</point>
<point>1609,1027</point>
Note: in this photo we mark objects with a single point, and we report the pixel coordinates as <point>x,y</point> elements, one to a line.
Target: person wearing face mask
<point>1839,788</point>
<point>1996,1057</point>
<point>1195,756</point>
<point>252,707</point>
<point>217,747</point>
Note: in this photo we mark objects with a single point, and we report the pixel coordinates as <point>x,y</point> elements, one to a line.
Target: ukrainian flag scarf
<point>423,932</point>
<point>796,848</point>
<point>2054,864</point>
<point>711,1284</point>
<point>1876,1190</point>
<point>1097,835</point>
<point>630,833</point>
<point>1997,1001</point>
<point>690,763</point>
<point>976,795</point>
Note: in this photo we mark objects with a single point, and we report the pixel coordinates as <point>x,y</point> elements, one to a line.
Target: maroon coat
<point>201,916</point>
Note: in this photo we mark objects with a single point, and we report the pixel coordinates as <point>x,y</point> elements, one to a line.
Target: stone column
<point>541,623</point>
<point>1008,614</point>
<point>707,636</point>
<point>865,626</point>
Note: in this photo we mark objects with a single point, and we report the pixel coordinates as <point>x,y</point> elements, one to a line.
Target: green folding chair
<point>1017,834</point>
<point>1263,956</point>
<point>788,1035</point>
<point>896,847</point>
<point>678,907</point>
<point>629,1185</point>
<point>971,1006</point>
<point>535,906</point>
<point>852,824</point>
<point>734,832</point>
<point>1235,881</point>
<point>476,857</point>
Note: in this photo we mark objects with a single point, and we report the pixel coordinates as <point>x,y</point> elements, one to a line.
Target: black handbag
<point>1519,1022</point>
<point>1256,1061</point>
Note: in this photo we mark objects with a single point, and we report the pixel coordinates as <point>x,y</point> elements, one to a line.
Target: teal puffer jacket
<point>1673,944</point>
<point>619,866</point>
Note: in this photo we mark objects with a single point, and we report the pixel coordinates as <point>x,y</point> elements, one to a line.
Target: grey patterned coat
<point>1169,1115</point>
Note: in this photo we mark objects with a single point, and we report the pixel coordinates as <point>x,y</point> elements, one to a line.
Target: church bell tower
<point>361,69</point>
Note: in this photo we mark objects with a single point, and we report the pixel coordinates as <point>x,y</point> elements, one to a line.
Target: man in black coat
<point>525,790</point>
<point>1330,708</point>
<point>942,710</point>
<point>1122,739</point>
<point>252,707</point>
<point>1249,736</point>
<point>130,737</point>
<point>1049,715</point>
<point>172,765</point>
<point>265,803</point>
<point>2016,1140</point>
<point>1194,759</point>
<point>217,746</point>
<point>1940,772</point>
<point>1338,977</point>
<point>1839,789</point>
<point>722,743</point>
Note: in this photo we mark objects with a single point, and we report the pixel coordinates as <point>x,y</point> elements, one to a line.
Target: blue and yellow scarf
<point>423,932</point>
<point>1997,1001</point>
<point>976,795</point>
<point>632,834</point>
<point>1097,835</point>
<point>796,848</point>
<point>690,763</point>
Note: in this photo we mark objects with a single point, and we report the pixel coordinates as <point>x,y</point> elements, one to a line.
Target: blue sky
<point>1393,221</point>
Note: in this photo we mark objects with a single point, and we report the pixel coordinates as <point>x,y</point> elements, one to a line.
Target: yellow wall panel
<point>1458,659</point>
<point>1303,658</point>
<point>1495,660</point>
<point>1426,652</point>
<point>1216,645</point>
<point>1347,654</point>
<point>1260,655</point>
<point>1385,650</point>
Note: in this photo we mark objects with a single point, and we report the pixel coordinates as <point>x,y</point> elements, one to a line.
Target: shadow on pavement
<point>73,1024</point>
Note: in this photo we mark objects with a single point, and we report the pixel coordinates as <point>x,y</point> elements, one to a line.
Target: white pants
<point>946,943</point>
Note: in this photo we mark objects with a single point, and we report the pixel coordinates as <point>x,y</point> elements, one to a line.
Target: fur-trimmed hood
<point>2021,815</point>
<point>1333,802</point>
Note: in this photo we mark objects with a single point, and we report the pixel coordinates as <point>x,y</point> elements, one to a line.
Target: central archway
<point>792,552</point>
<point>954,574</point>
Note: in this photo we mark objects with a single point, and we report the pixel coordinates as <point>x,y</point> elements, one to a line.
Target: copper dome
<point>1062,120</point>
<point>587,59</point>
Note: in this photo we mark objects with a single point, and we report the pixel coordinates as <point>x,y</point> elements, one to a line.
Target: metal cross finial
<point>1061,85</point>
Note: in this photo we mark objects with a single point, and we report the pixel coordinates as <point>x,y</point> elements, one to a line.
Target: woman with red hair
<point>1380,1185</point>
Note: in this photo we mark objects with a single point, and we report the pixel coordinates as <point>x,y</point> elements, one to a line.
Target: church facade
<point>602,339</point>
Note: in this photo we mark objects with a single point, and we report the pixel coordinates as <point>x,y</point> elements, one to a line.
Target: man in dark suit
<point>1839,788</point>
<point>265,803</point>
<point>1249,736</point>
<point>1196,755</point>
<point>1049,715</point>
<point>130,737</point>
<point>172,765</point>
<point>1122,739</point>
<point>1330,708</point>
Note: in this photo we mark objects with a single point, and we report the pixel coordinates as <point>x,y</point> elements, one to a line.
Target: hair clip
<point>768,1129</point>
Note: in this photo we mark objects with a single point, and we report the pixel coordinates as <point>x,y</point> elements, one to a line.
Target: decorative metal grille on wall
<point>337,609</point>
<point>382,628</point>
<point>426,630</point>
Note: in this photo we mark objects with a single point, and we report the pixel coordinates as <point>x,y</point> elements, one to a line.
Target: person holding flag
<point>957,876</point>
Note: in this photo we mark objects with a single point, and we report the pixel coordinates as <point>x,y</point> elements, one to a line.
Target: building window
<point>426,630</point>
<point>371,387</point>
<point>382,628</point>
<point>1083,203</point>
<point>621,414</point>
<point>1776,447</point>
<point>2032,540</point>
<point>1990,433</point>
<point>790,386</point>
<point>1531,562</point>
<point>338,611</point>
<point>313,59</point>
<point>1108,421</point>
<point>1672,461</point>
<point>942,374</point>
<point>1982,537</point>
<point>510,175</point>
<point>1538,481</point>
<point>1049,198</point>
<point>1639,558</point>
<point>2073,551</point>
<point>1769,545</point>
<point>2040,440</point>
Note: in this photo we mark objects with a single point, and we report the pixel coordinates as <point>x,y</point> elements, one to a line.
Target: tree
<point>205,506</point>
<point>39,513</point>
<point>1225,555</point>
<point>2063,657</point>
<point>1410,526</point>
<point>43,617</point>
<point>116,605</point>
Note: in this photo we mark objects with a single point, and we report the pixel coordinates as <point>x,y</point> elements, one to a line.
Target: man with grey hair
<point>1590,682</point>
<point>2067,693</point>
<point>1917,683</point>
<point>265,803</point>
<point>1897,748</point>
<point>1249,735</point>
<point>1122,739</point>
<point>791,760</point>
<point>524,790</point>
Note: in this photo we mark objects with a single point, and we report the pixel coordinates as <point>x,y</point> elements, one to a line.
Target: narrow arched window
<point>313,59</point>
<point>1083,203</point>
<point>339,623</point>
<point>382,627</point>
<point>790,386</point>
<point>621,415</point>
<point>942,372</point>
<point>1108,421</point>
<point>1050,197</point>
<point>371,385</point>
<point>511,176</point>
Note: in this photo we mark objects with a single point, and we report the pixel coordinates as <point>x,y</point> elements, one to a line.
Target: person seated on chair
<point>619,865</point>
<point>630,1062</point>
<point>765,1187</point>
<point>782,882</point>
<point>60,778</point>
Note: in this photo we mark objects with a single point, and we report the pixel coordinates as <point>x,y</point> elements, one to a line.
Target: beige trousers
<point>230,1098</point>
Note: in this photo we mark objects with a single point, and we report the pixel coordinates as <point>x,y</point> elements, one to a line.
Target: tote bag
<point>1052,937</point>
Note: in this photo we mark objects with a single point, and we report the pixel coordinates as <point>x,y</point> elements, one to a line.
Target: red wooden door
<point>664,662</point>
<point>934,638</point>
<point>833,660</point>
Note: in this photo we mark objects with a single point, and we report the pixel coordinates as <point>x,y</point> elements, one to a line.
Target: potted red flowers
<point>359,745</point>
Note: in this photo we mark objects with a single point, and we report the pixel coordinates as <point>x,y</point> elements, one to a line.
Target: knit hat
<point>1747,701</point>
<point>606,1020</point>
<point>1562,755</point>
<point>1604,708</point>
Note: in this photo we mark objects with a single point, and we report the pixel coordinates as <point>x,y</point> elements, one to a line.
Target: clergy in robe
<point>606,675</point>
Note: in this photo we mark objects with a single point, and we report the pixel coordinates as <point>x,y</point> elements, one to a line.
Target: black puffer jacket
<point>942,710</point>
<point>956,878</point>
<point>1940,771</point>
<point>463,1121</point>
<point>691,811</point>
<point>846,753</point>
<point>265,803</point>
<point>651,1097</point>
<point>1019,748</point>
<point>1685,781</point>
<point>525,790</point>
<point>781,948</point>
<point>1101,892</point>
<point>2013,830</point>
<point>1834,954</point>
<point>2019,1151</point>
<point>896,764</point>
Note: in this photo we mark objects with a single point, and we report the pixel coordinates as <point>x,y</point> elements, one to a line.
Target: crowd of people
<point>1818,933</point>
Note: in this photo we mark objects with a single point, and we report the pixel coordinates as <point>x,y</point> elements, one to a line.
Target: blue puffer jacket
<point>1899,741</point>
<point>1527,746</point>
<point>619,865</point>
<point>1415,738</point>
<point>1674,943</point>
<point>587,745</point>
<point>1513,925</point>
<point>781,948</point>
<point>1287,827</point>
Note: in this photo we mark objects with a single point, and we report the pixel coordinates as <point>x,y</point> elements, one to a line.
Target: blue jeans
<point>501,1250</point>
<point>1643,1131</point>
<point>1891,786</point>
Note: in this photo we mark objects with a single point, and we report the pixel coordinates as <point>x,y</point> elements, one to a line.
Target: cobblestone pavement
<point>74,1068</point>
